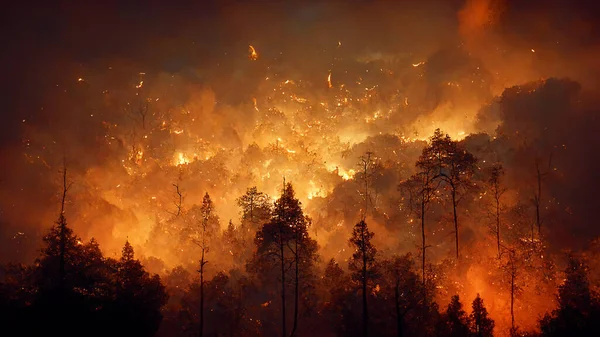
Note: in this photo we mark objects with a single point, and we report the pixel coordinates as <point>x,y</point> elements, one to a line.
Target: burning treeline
<point>457,155</point>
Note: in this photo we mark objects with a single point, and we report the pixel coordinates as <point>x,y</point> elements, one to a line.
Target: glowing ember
<point>253,55</point>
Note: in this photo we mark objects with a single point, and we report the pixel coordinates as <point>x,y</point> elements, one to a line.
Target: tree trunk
<point>455,220</point>
<point>423,247</point>
<point>538,202</point>
<point>283,326</point>
<point>497,221</point>
<point>62,223</point>
<point>202,294</point>
<point>399,326</point>
<point>512,299</point>
<point>296,289</point>
<point>364,289</point>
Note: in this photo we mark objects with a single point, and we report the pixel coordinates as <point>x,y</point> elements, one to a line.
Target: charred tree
<point>255,209</point>
<point>510,266</point>
<point>284,244</point>
<point>454,167</point>
<point>363,265</point>
<point>62,227</point>
<point>421,189</point>
<point>495,184</point>
<point>206,212</point>
<point>366,166</point>
<point>537,195</point>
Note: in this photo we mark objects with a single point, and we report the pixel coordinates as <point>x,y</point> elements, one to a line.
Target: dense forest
<point>293,168</point>
<point>278,284</point>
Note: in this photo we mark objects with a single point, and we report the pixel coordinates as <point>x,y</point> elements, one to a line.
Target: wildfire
<point>181,159</point>
<point>253,54</point>
<point>139,156</point>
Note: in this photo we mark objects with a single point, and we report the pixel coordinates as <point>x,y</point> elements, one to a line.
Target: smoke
<point>164,96</point>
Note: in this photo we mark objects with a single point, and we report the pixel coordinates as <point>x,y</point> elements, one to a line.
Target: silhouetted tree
<point>234,245</point>
<point>537,194</point>
<point>421,191</point>
<point>338,303</point>
<point>207,217</point>
<point>221,297</point>
<point>481,324</point>
<point>455,321</point>
<point>578,312</point>
<point>453,165</point>
<point>403,286</point>
<point>510,264</point>
<point>139,297</point>
<point>256,209</point>
<point>363,265</point>
<point>366,166</point>
<point>495,185</point>
<point>284,242</point>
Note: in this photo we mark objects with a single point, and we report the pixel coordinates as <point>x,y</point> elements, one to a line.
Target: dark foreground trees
<point>285,252</point>
<point>92,295</point>
<point>363,266</point>
<point>578,311</point>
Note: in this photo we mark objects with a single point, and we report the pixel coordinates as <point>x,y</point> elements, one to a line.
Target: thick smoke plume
<point>141,98</point>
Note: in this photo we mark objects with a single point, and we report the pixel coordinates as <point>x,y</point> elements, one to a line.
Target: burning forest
<point>369,168</point>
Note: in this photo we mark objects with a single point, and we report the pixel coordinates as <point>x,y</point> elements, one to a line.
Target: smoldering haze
<point>198,80</point>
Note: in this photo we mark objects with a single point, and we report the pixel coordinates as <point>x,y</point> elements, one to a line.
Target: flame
<point>181,159</point>
<point>139,156</point>
<point>314,191</point>
<point>253,54</point>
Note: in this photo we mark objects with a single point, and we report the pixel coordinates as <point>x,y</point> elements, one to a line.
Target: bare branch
<point>179,203</point>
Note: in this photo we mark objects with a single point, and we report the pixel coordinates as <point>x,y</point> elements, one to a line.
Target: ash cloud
<point>477,61</point>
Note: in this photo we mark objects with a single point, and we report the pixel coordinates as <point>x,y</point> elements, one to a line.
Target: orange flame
<point>253,54</point>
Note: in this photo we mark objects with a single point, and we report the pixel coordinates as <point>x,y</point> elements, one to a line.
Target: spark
<point>418,64</point>
<point>253,54</point>
<point>329,80</point>
<point>339,44</point>
<point>140,85</point>
<point>181,159</point>
<point>532,50</point>
<point>80,79</point>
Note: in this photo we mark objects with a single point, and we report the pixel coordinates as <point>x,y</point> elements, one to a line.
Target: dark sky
<point>44,41</point>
